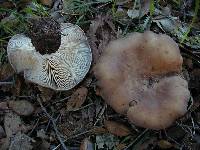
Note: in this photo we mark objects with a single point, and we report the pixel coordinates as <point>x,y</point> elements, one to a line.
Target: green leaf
<point>193,20</point>
<point>152,7</point>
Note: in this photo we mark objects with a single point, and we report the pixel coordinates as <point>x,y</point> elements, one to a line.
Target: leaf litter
<point>79,117</point>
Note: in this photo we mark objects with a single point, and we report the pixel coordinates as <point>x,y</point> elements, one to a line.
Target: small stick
<point>6,83</point>
<point>139,136</point>
<point>53,122</point>
<point>193,125</point>
<point>100,114</point>
<point>72,138</point>
<point>103,5</point>
<point>61,100</point>
<point>80,108</point>
<point>173,140</point>
<point>36,124</point>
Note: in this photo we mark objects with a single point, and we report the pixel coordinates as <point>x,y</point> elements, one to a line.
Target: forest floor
<point>34,117</point>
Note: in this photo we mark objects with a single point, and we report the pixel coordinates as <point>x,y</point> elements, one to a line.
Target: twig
<point>73,137</point>
<point>54,124</point>
<point>6,83</point>
<point>79,134</point>
<point>24,96</point>
<point>189,129</point>
<point>192,54</point>
<point>103,5</point>
<point>193,126</point>
<point>64,13</point>
<point>50,121</point>
<point>80,108</point>
<point>36,124</point>
<point>48,124</point>
<point>100,114</point>
<point>170,138</point>
<point>61,100</point>
<point>138,137</point>
<point>185,128</point>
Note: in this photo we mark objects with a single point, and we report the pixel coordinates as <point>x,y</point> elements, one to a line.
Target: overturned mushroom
<point>60,70</point>
<point>140,76</point>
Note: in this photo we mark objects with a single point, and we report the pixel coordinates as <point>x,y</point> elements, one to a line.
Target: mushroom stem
<point>24,63</point>
<point>21,53</point>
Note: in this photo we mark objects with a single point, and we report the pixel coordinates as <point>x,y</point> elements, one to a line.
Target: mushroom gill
<point>61,70</point>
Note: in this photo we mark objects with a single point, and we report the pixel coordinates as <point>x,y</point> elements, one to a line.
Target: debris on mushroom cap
<point>45,34</point>
<point>61,70</point>
<point>139,76</point>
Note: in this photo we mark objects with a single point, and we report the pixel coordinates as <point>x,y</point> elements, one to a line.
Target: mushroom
<point>140,76</point>
<point>61,70</point>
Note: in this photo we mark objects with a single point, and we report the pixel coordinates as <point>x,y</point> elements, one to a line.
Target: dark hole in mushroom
<point>45,35</point>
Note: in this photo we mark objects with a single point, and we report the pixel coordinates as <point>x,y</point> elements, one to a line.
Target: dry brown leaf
<point>21,142</point>
<point>2,133</point>
<point>95,24</point>
<point>145,5</point>
<point>188,63</point>
<point>98,130</point>
<point>4,106</point>
<point>198,117</point>
<point>140,12</point>
<point>41,134</point>
<point>77,99</point>
<point>7,4</point>
<point>16,90</point>
<point>4,143</point>
<point>43,145</point>
<point>163,144</point>
<point>106,37</point>
<point>47,2</point>
<point>126,3</point>
<point>46,93</point>
<point>22,107</point>
<point>12,123</point>
<point>145,145</point>
<point>14,127</point>
<point>23,3</point>
<point>120,146</point>
<point>101,31</point>
<point>98,91</point>
<point>6,71</point>
<point>117,128</point>
<point>65,130</point>
<point>86,144</point>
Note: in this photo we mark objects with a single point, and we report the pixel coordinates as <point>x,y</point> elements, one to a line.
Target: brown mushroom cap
<point>139,76</point>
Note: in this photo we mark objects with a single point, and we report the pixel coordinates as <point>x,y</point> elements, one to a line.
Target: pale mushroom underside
<point>61,70</point>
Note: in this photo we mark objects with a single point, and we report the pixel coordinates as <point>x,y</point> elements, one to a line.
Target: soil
<point>45,35</point>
